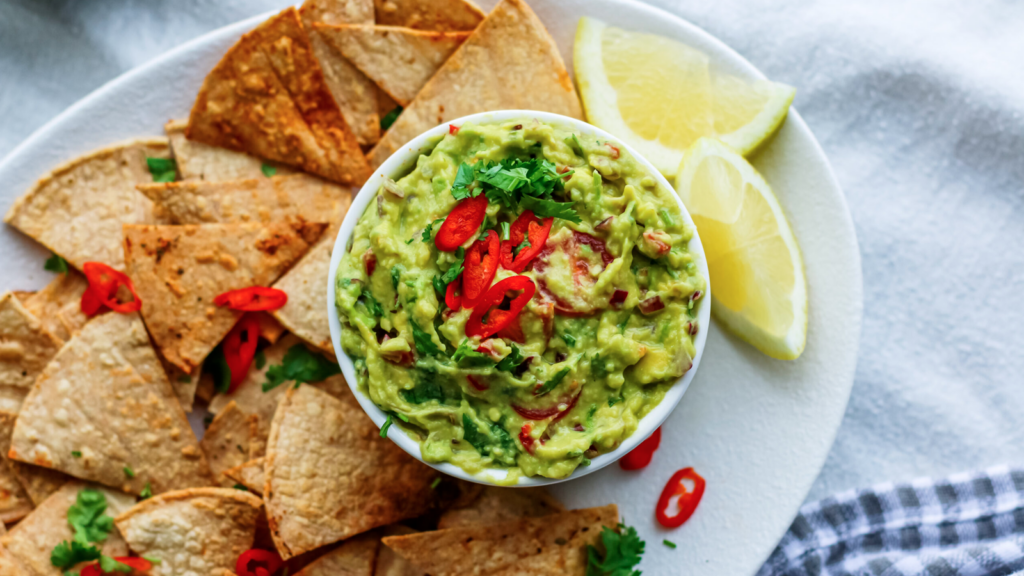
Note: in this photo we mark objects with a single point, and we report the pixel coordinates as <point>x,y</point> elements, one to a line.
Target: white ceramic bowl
<point>397,166</point>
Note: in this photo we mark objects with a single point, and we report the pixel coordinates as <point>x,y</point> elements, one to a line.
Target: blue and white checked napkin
<point>969,524</point>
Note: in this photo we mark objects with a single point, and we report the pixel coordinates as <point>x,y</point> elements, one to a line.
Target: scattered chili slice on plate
<point>461,224</point>
<point>252,299</point>
<point>258,562</point>
<point>527,227</point>
<point>104,284</point>
<point>481,263</point>
<point>640,456</point>
<point>239,348</point>
<point>487,318</point>
<point>687,499</point>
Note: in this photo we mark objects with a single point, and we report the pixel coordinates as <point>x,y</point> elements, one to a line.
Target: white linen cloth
<point>919,104</point>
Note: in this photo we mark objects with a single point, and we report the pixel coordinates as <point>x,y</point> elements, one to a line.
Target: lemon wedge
<point>760,292</point>
<point>660,96</point>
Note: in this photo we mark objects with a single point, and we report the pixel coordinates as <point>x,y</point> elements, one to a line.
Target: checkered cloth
<point>965,525</point>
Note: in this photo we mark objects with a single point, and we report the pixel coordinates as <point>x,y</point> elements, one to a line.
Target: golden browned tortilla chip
<point>355,557</point>
<point>555,545</point>
<point>103,410</point>
<point>196,531</point>
<point>38,482</point>
<point>179,270</point>
<point>270,329</point>
<point>64,292</point>
<point>509,63</point>
<point>444,15</point>
<point>77,209</point>
<point>184,384</point>
<point>32,540</point>
<point>226,442</point>
<point>25,346</point>
<point>198,161</point>
<point>251,200</point>
<point>14,502</point>
<point>399,60</point>
<point>496,504</point>
<point>338,11</point>
<point>268,97</point>
<point>391,564</point>
<point>329,474</point>
<point>249,474</point>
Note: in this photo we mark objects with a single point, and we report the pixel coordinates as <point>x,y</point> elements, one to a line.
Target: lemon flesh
<point>760,292</point>
<point>660,96</point>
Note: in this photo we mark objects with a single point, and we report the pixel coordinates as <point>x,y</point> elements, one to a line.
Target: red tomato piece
<point>460,225</point>
<point>487,318</point>
<point>252,299</point>
<point>641,456</point>
<point>527,226</point>
<point>688,499</point>
<point>481,263</point>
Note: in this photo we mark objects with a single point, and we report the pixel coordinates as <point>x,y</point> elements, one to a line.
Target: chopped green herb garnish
<point>435,483</point>
<point>484,444</point>
<point>216,365</point>
<point>510,362</point>
<point>522,246</point>
<point>147,492</point>
<point>456,268</point>
<point>424,343</point>
<point>385,427</point>
<point>388,119</point>
<point>76,453</point>
<point>569,339</point>
<point>466,356</point>
<point>268,170</point>
<point>239,487</point>
<point>622,551</point>
<point>67,554</point>
<point>427,235</point>
<point>585,461</point>
<point>88,518</point>
<point>614,400</point>
<point>162,169</point>
<point>666,217</point>
<point>669,543</point>
<point>505,230</point>
<point>300,365</point>
<point>129,472</point>
<point>514,183</point>
<point>56,264</point>
<point>555,380</point>
<point>372,305</point>
<point>261,359</point>
<point>108,565</point>
<point>396,276</point>
<point>425,390</point>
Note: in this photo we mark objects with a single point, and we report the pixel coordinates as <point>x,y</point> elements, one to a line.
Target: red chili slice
<point>453,294</point>
<point>239,348</point>
<point>527,226</point>
<point>640,456</point>
<point>688,499</point>
<point>513,332</point>
<point>104,283</point>
<point>136,564</point>
<point>481,263</point>
<point>477,383</point>
<point>253,299</point>
<point>525,439</point>
<point>460,225</point>
<point>257,562</point>
<point>91,304</point>
<point>545,413</point>
<point>453,129</point>
<point>487,318</point>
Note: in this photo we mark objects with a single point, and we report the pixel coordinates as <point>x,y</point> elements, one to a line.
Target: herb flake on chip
<point>76,453</point>
<point>147,491</point>
<point>216,365</point>
<point>388,119</point>
<point>622,551</point>
<point>261,359</point>
<point>162,169</point>
<point>108,565</point>
<point>300,365</point>
<point>268,170</point>
<point>67,554</point>
<point>129,472</point>
<point>55,263</point>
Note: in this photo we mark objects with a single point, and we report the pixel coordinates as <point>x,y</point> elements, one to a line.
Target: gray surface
<point>919,107</point>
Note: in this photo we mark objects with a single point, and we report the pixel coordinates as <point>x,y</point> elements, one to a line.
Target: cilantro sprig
<point>56,264</point>
<point>622,551</point>
<point>516,183</point>
<point>162,169</point>
<point>424,343</point>
<point>88,518</point>
<point>554,381</point>
<point>300,365</point>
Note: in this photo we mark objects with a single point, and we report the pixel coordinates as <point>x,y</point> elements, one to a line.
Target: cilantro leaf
<point>147,492</point>
<point>551,209</point>
<point>555,380</point>
<point>463,178</point>
<point>424,344</point>
<point>428,231</point>
<point>384,428</point>
<point>523,245</point>
<point>67,554</point>
<point>239,487</point>
<point>162,169</point>
<point>216,365</point>
<point>440,286</point>
<point>372,305</point>
<point>435,483</point>
<point>108,565</point>
<point>300,365</point>
<point>569,339</point>
<point>499,445</point>
<point>599,367</point>
<point>76,453</point>
<point>455,269</point>
<point>268,170</point>
<point>388,119</point>
<point>396,275</point>
<point>506,229</point>
<point>622,551</point>
<point>56,264</point>
<point>466,356</point>
<point>669,543</point>
<point>261,359</point>
<point>129,472</point>
<point>424,391</point>
<point>87,516</point>
<point>510,362</point>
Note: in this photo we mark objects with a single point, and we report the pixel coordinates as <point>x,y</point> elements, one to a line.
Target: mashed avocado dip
<point>520,299</point>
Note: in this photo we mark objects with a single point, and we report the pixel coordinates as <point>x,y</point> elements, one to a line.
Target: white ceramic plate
<point>757,429</point>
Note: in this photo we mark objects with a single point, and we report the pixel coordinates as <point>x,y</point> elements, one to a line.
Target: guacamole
<point>520,299</point>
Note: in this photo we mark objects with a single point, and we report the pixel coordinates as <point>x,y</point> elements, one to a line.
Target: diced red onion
<point>651,305</point>
<point>618,297</point>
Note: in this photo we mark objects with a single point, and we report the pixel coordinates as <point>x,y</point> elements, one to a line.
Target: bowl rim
<point>399,163</point>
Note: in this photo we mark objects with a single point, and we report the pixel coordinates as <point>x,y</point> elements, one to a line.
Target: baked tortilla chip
<point>179,270</point>
<point>38,482</point>
<point>391,564</point>
<point>103,410</point>
<point>509,63</point>
<point>32,540</point>
<point>399,60</point>
<point>25,346</point>
<point>14,503</point>
<point>77,209</point>
<point>199,531</point>
<point>330,475</point>
<point>226,442</point>
<point>443,15</point>
<point>306,286</point>
<point>64,292</point>
<point>355,557</point>
<point>555,545</point>
<point>270,329</point>
<point>268,97</point>
<point>496,504</point>
<point>183,383</point>
<point>198,161</point>
<point>250,475</point>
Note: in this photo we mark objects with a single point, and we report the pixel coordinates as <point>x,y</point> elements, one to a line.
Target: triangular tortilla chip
<point>443,15</point>
<point>270,329</point>
<point>555,545</point>
<point>399,60</point>
<point>103,410</point>
<point>509,63</point>
<point>226,441</point>
<point>195,531</point>
<point>249,474</point>
<point>330,475</point>
<point>355,557</point>
<point>184,383</point>
<point>306,286</point>
<point>14,503</point>
<point>25,346</point>
<point>268,97</point>
<point>38,482</point>
<point>198,161</point>
<point>251,200</point>
<point>391,564</point>
<point>48,304</point>
<point>32,540</point>
<point>77,209</point>
<point>353,91</point>
<point>179,270</point>
<point>496,504</point>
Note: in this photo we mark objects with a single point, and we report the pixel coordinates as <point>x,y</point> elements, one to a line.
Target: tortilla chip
<point>391,564</point>
<point>330,475</point>
<point>25,346</point>
<point>48,304</point>
<point>226,442</point>
<point>495,505</point>
<point>270,329</point>
<point>268,97</point>
<point>353,92</point>
<point>252,200</point>
<point>106,397</point>
<point>32,540</point>
<point>38,482</point>
<point>11,398</point>
<point>443,15</point>
<point>179,270</point>
<point>198,161</point>
<point>77,209</point>
<point>555,545</point>
<point>250,475</point>
<point>355,557</point>
<point>306,286</point>
<point>399,60</point>
<point>14,503</point>
<point>509,63</point>
<point>198,531</point>
<point>183,383</point>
